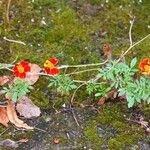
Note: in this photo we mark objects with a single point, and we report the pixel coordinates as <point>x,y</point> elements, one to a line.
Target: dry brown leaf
<point>110,95</point>
<point>3,117</point>
<point>56,140</point>
<point>33,75</point>
<point>102,100</point>
<point>27,109</point>
<point>13,117</point>
<point>5,79</point>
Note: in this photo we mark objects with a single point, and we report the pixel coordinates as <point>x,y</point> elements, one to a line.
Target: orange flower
<point>144,66</point>
<point>49,66</point>
<point>20,69</point>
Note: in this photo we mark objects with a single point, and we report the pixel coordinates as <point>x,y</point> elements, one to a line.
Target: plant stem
<point>85,65</point>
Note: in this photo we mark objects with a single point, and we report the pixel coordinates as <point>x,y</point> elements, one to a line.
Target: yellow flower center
<point>147,69</point>
<point>48,64</point>
<point>20,68</point>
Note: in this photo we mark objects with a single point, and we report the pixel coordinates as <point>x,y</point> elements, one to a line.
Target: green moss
<point>122,141</point>
<point>39,99</point>
<point>112,115</point>
<point>91,134</point>
<point>115,145</point>
<point>72,35</point>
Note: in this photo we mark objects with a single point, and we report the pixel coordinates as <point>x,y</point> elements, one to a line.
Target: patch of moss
<point>91,135</point>
<point>125,135</point>
<point>39,99</point>
<point>122,141</point>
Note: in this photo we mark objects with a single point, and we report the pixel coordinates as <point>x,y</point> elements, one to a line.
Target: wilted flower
<point>144,66</point>
<point>20,69</point>
<point>49,66</point>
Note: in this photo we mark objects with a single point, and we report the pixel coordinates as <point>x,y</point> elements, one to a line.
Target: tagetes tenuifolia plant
<point>50,68</point>
<point>20,69</point>
<point>144,66</point>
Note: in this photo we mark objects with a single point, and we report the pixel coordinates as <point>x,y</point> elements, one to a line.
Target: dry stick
<point>132,47</point>
<point>130,31</point>
<point>75,117</point>
<point>76,91</point>
<point>7,13</point>
<point>138,122</point>
<point>39,129</point>
<point>85,65</point>
<point>95,69</point>
<point>14,41</point>
<point>72,98</point>
<point>4,131</point>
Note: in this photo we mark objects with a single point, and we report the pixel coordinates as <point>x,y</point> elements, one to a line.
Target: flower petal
<point>144,66</point>
<point>54,71</point>
<point>22,75</point>
<point>54,61</point>
<point>27,68</point>
<point>47,70</point>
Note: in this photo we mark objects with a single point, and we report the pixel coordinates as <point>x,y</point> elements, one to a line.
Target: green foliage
<point>99,89</point>
<point>63,83</point>
<point>121,77</point>
<point>18,89</point>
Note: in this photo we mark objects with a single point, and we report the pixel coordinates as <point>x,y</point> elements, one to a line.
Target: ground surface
<point>74,31</point>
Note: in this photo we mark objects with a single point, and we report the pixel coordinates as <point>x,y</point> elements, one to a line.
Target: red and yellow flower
<point>144,66</point>
<point>20,69</point>
<point>49,66</point>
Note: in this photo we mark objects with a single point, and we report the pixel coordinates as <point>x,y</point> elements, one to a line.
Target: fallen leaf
<point>9,143</point>
<point>12,115</point>
<point>33,75</point>
<point>5,80</point>
<point>1,92</point>
<point>26,108</point>
<point>12,144</point>
<point>3,117</point>
<point>102,100</point>
<point>56,140</point>
<point>110,95</point>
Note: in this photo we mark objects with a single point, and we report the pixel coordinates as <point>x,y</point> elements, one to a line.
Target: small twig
<point>6,66</point>
<point>40,129</point>
<point>9,69</point>
<point>130,30</point>
<point>132,47</point>
<point>72,98</point>
<point>74,116</point>
<point>14,41</point>
<point>42,74</point>
<point>8,8</point>
<point>4,131</point>
<point>14,61</point>
<point>73,73</point>
<point>138,122</point>
<point>80,81</point>
<point>68,136</point>
<point>57,111</point>
<point>85,65</point>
